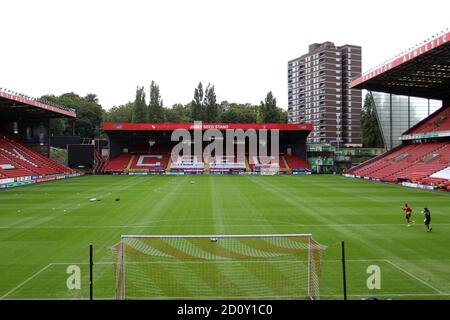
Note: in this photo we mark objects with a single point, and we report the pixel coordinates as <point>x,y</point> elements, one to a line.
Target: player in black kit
<point>427,220</point>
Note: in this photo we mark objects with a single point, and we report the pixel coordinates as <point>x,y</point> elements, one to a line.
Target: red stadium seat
<point>26,162</point>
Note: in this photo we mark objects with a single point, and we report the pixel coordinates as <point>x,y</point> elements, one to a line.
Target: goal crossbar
<point>217,266</point>
<point>220,236</point>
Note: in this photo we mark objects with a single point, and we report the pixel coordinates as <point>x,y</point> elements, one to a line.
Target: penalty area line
<point>26,281</point>
<point>414,277</point>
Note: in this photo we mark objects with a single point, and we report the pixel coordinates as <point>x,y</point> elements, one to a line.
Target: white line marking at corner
<point>26,281</point>
<point>414,277</point>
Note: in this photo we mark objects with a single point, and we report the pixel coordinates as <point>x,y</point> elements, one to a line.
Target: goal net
<point>218,267</point>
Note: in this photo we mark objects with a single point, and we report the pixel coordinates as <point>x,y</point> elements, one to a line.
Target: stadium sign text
<point>436,42</point>
<point>189,151</point>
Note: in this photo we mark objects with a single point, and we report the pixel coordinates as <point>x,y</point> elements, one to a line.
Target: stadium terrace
<point>229,237</point>
<point>421,156</point>
<point>149,148</point>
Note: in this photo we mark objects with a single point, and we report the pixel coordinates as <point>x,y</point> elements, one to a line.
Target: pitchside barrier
<point>277,266</point>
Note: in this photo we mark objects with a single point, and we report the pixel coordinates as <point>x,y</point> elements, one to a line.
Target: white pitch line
<point>26,281</point>
<point>389,295</point>
<point>439,292</point>
<point>228,225</point>
<point>221,261</point>
<point>322,296</point>
<point>414,277</point>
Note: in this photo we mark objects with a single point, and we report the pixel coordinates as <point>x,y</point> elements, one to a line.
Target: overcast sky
<point>242,47</point>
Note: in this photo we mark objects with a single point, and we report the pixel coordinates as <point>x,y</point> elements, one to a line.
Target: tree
<point>371,133</point>
<point>89,114</point>
<point>122,113</point>
<point>139,107</point>
<point>155,105</point>
<point>210,107</point>
<point>198,113</point>
<point>178,113</point>
<point>269,110</point>
<point>238,113</point>
<point>58,126</point>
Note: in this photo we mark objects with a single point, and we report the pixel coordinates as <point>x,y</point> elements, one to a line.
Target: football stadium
<point>236,213</point>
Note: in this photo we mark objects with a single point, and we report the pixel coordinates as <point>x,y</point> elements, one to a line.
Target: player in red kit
<point>408,212</point>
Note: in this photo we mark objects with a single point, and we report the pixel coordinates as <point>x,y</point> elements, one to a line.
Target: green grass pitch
<point>46,228</point>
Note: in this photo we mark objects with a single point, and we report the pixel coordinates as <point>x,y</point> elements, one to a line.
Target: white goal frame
<point>122,250</point>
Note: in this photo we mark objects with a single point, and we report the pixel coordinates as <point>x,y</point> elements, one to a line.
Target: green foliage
<point>155,106</point>
<point>371,133</point>
<point>210,106</point>
<point>269,112</point>
<point>89,114</point>
<point>238,113</point>
<point>198,113</point>
<point>139,107</point>
<point>178,113</point>
<point>58,126</point>
<point>59,155</point>
<point>203,107</point>
<point>122,113</point>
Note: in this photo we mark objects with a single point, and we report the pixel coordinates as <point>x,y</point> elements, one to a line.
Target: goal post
<point>272,266</point>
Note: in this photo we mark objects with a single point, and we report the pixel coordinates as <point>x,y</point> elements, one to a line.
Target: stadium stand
<point>439,121</point>
<point>221,163</point>
<point>187,163</point>
<point>117,165</point>
<point>146,148</point>
<point>258,163</point>
<point>413,162</point>
<point>296,163</point>
<point>423,157</point>
<point>145,162</point>
<point>18,160</point>
<point>99,162</point>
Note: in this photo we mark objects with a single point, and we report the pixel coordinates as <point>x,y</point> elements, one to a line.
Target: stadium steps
<point>134,167</point>
<point>422,169</point>
<point>414,164</point>
<point>206,168</point>
<point>118,164</point>
<point>40,159</point>
<point>169,162</point>
<point>295,162</point>
<point>383,162</point>
<point>439,121</point>
<point>286,164</point>
<point>247,164</point>
<point>19,170</point>
<point>28,161</point>
<point>99,162</point>
<point>127,169</point>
